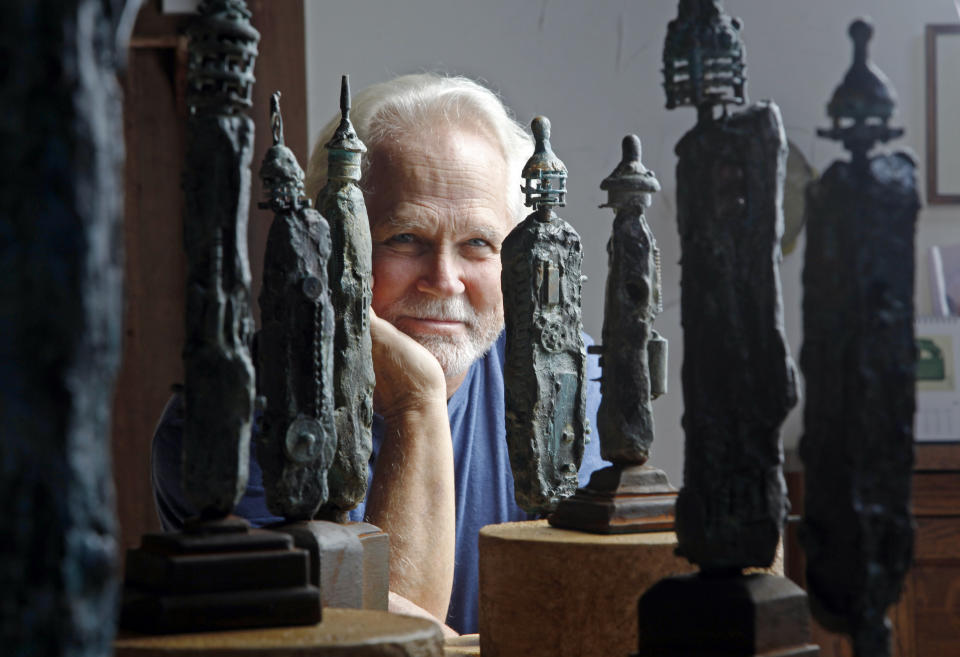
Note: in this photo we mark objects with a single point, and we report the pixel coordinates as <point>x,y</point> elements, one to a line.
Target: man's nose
<point>442,277</point>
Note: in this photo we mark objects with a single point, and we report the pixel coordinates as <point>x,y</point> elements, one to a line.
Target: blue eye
<point>402,238</point>
<point>477,241</point>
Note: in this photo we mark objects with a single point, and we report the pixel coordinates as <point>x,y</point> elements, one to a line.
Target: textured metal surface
<point>633,359</point>
<point>218,381</point>
<point>633,299</point>
<point>350,269</point>
<point>703,57</point>
<point>60,318</point>
<point>545,362</point>
<point>858,360</point>
<point>737,374</point>
<point>295,344</point>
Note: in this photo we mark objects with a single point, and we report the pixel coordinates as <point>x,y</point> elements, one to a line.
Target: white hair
<point>417,104</point>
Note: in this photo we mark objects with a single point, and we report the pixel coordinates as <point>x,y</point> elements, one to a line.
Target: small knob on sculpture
<point>631,183</point>
<point>545,174</point>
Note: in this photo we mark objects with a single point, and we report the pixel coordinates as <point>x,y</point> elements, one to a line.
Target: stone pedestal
<point>557,592</point>
<point>343,633</point>
<point>746,615</point>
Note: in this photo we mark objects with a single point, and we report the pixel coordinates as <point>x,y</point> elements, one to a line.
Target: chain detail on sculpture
<point>350,273</point>
<point>298,439</point>
<point>858,360</point>
<point>545,362</point>
<point>219,375</point>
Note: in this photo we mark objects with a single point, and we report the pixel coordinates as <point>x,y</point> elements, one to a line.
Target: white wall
<point>594,69</point>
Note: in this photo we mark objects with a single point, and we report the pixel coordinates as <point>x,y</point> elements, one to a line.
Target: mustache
<point>454,309</point>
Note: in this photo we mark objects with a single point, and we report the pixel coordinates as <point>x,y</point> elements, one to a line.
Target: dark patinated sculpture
<point>858,361</point>
<point>627,496</point>
<point>737,375</point>
<point>545,361</point>
<point>60,318</point>
<point>218,573</point>
<point>350,270</point>
<point>219,377</point>
<point>295,344</point>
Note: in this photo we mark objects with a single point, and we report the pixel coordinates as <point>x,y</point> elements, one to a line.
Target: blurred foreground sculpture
<point>218,573</point>
<point>858,360</point>
<point>737,374</point>
<point>545,361</point>
<point>627,496</point>
<point>60,317</point>
<point>350,270</point>
<point>295,348</point>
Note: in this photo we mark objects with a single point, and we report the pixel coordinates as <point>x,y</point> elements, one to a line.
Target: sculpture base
<point>354,632</point>
<point>743,615</point>
<point>349,562</point>
<point>217,575</point>
<point>547,592</point>
<point>620,500</point>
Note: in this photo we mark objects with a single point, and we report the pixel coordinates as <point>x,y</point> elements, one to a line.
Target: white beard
<point>455,354</point>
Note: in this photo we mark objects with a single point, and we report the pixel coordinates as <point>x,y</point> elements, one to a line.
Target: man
<point>441,182</point>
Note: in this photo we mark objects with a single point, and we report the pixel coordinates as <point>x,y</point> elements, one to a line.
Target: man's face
<point>438,215</point>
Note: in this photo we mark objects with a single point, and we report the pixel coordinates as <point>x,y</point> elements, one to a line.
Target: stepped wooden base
<point>217,575</point>
<point>349,562</point>
<point>619,500</point>
<point>744,615</point>
<point>550,592</point>
<point>343,633</point>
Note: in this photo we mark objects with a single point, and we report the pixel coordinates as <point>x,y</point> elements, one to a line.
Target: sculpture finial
<point>863,103</point>
<point>276,119</point>
<point>280,172</point>
<point>545,173</point>
<point>631,183</point>
<point>344,148</point>
<point>704,57</point>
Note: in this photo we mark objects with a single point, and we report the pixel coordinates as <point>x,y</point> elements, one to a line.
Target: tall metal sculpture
<point>350,270</point>
<point>628,496</point>
<point>219,377</point>
<point>218,573</point>
<point>295,347</point>
<point>60,316</point>
<point>858,360</point>
<point>737,374</point>
<point>545,361</point>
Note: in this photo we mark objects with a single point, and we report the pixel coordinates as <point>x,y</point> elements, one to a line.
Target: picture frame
<point>943,107</point>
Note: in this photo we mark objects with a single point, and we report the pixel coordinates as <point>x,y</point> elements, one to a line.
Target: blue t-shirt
<point>482,475</point>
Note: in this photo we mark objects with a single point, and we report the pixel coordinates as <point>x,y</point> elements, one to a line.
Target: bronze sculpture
<point>859,348</point>
<point>350,269</point>
<point>219,377</point>
<point>295,345</point>
<point>737,374</point>
<point>545,361</point>
<point>61,310</point>
<point>627,496</point>
<point>218,573</point>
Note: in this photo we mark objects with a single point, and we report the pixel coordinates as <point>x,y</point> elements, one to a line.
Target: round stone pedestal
<point>343,633</point>
<point>558,592</point>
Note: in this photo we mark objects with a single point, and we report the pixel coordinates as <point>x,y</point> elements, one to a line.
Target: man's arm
<point>412,493</point>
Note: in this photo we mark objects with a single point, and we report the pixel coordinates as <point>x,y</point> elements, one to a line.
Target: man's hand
<point>411,497</point>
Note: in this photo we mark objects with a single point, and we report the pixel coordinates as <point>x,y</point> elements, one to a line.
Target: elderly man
<point>441,183</point>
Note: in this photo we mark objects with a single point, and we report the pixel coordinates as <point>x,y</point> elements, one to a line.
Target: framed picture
<point>943,107</point>
<point>938,393</point>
